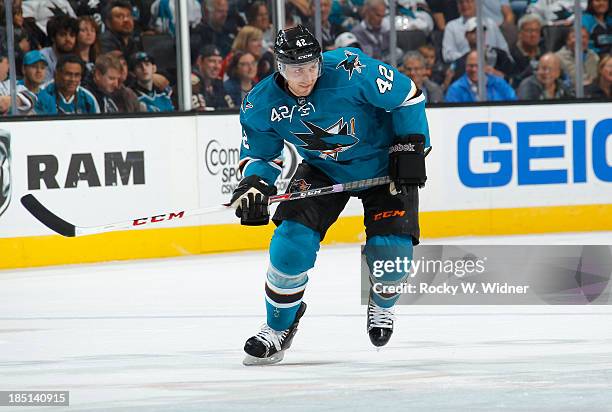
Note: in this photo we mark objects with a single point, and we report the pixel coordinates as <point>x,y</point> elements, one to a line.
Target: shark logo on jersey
<point>351,63</point>
<point>246,105</point>
<point>299,185</point>
<point>329,141</point>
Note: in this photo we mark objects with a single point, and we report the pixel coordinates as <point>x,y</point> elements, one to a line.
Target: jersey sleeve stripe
<point>413,98</point>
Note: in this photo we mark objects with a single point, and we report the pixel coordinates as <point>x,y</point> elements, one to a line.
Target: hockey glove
<point>407,163</point>
<point>250,199</point>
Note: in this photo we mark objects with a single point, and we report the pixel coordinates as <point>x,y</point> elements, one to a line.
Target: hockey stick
<point>64,228</point>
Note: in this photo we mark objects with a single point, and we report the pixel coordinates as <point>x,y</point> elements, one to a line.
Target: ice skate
<point>379,323</point>
<point>268,346</point>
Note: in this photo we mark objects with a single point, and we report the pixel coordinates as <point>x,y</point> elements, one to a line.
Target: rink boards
<point>493,170</point>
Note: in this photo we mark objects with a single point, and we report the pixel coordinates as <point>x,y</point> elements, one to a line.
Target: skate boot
<point>380,324</point>
<point>268,346</point>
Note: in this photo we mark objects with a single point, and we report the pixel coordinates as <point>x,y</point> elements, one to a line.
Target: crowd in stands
<point>106,56</point>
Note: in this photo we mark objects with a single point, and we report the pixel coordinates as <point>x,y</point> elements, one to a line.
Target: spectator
<point>555,12</point>
<point>124,97</point>
<point>299,10</point>
<point>346,39</point>
<point>499,11</point>
<point>545,84</point>
<point>345,13</point>
<point>435,70</point>
<point>568,61</point>
<point>258,16</point>
<point>329,31</point>
<point>62,31</point>
<point>497,61</point>
<point>215,27</point>
<point>87,47</point>
<point>120,29</point>
<point>249,40</point>
<point>106,77</point>
<point>210,94</point>
<point>454,43</point>
<point>151,97</point>
<point>598,22</point>
<point>65,95</point>
<point>34,70</point>
<point>413,66</point>
<point>241,71</point>
<point>371,33</point>
<point>163,15</point>
<point>465,90</point>
<point>413,15</point>
<point>601,88</point>
<point>41,11</point>
<point>443,11</point>
<point>25,99</point>
<point>526,52</point>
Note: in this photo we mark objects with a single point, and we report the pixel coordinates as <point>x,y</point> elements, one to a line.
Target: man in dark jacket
<point>545,83</point>
<point>120,29</point>
<point>106,78</point>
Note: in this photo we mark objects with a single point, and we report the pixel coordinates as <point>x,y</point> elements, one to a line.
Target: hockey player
<point>350,117</point>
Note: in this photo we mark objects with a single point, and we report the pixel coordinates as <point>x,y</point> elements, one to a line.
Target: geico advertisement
<point>513,154</point>
<point>93,172</point>
<point>519,156</point>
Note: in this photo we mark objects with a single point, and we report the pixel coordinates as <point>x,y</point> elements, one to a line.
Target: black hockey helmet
<point>296,45</point>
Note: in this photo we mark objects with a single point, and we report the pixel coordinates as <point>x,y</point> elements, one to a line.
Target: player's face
<point>35,73</point>
<point>109,81</point>
<point>301,78</point>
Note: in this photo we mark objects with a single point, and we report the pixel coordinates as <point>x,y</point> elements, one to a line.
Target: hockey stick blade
<point>59,225</point>
<point>46,217</point>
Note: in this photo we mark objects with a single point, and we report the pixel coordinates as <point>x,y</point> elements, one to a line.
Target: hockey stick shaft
<point>65,228</point>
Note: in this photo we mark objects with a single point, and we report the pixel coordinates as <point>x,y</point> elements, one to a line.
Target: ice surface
<point>167,335</point>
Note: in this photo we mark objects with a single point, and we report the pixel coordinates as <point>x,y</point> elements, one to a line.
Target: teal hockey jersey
<point>344,127</point>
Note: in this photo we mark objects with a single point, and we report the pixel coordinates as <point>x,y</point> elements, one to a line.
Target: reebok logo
<point>408,147</point>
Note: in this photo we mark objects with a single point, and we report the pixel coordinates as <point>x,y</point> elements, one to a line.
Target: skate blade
<point>270,360</point>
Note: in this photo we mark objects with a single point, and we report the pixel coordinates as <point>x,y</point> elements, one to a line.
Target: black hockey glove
<point>407,162</point>
<point>250,199</point>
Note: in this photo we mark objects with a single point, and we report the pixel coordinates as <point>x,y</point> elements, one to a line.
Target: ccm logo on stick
<point>158,218</point>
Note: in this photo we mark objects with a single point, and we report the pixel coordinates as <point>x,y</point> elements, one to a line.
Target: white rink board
<point>169,170</point>
<point>182,172</point>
